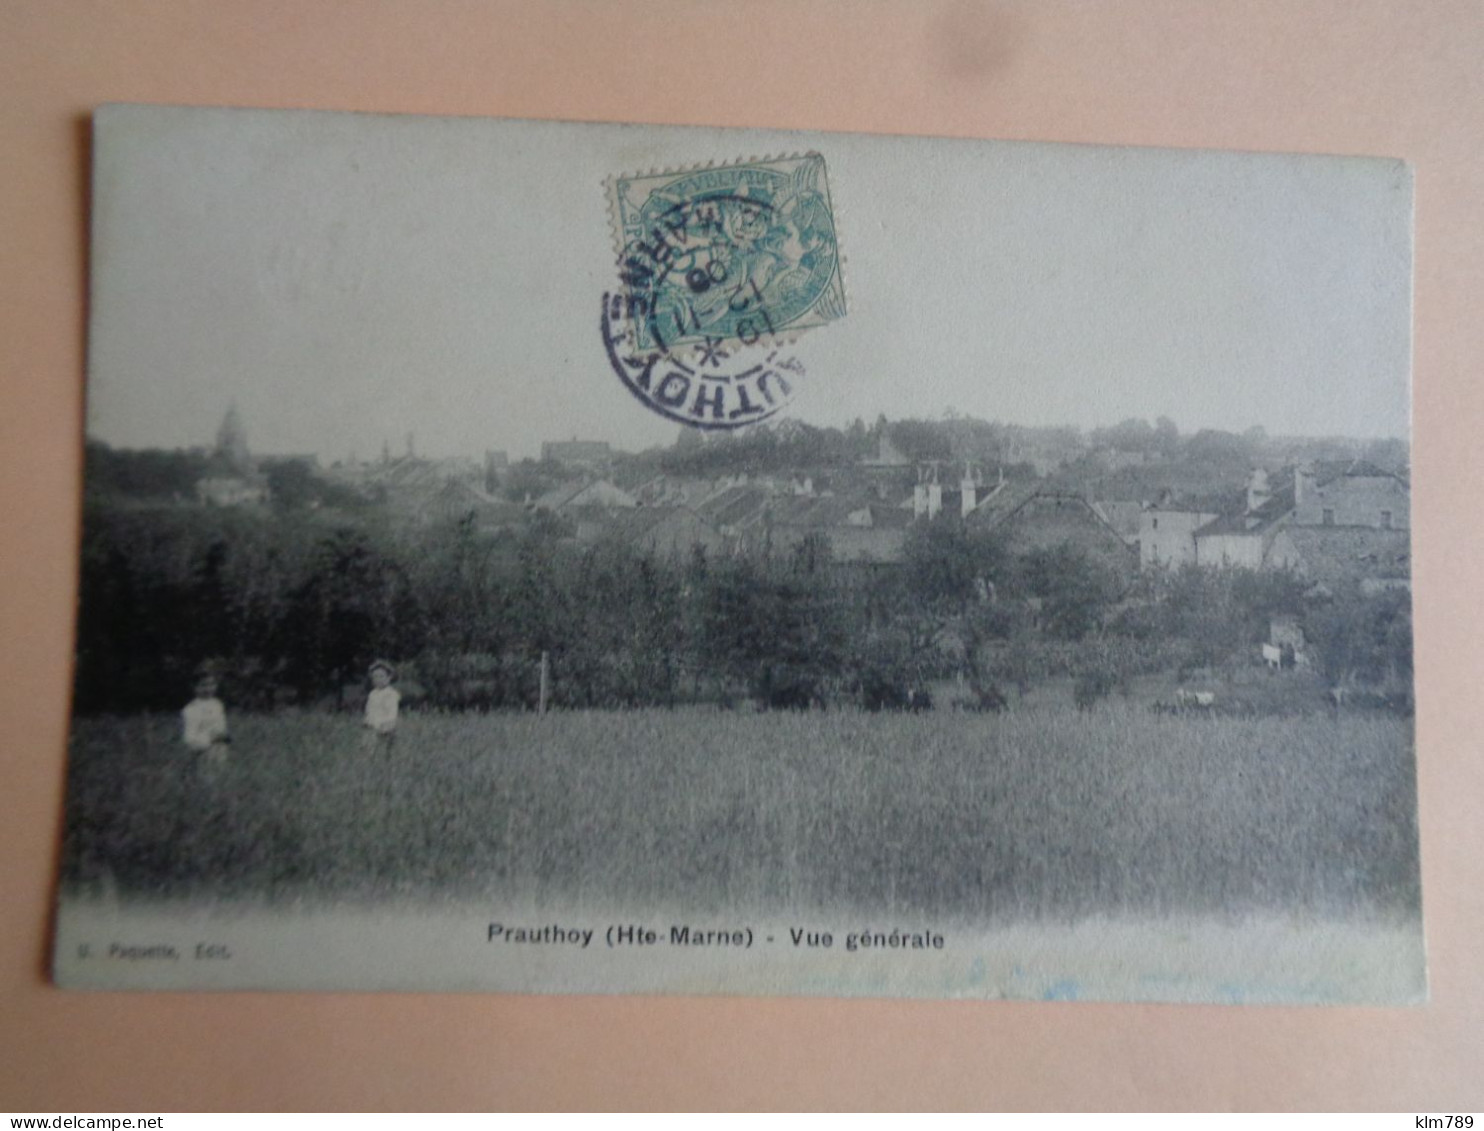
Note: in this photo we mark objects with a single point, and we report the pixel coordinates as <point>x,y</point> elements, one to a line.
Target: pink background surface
<point>1384,78</point>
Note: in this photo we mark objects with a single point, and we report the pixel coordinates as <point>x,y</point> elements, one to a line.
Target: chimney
<point>968,493</point>
<point>934,498</point>
<point>919,501</point>
<point>1303,484</point>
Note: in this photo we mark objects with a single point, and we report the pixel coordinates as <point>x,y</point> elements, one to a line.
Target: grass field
<point>1039,814</point>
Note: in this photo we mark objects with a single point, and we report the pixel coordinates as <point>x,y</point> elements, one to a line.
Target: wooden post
<point>541,704</point>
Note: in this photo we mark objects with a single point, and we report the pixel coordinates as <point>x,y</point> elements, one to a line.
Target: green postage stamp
<point>735,253</point>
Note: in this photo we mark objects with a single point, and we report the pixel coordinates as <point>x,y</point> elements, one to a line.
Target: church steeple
<point>231,442</point>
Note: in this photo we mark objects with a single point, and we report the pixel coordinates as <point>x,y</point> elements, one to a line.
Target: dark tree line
<point>291,608</point>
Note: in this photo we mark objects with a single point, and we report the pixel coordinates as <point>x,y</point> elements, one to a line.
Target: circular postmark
<point>711,384</point>
<point>718,268</point>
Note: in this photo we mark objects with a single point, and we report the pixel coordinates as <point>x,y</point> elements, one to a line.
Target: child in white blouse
<point>204,723</point>
<point>381,708</point>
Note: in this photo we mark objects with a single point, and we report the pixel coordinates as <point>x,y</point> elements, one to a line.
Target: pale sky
<point>346,279</point>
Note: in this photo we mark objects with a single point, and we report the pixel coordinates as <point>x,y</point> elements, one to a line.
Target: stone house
<point>1356,494</point>
<point>1035,519</point>
<point>1167,534</point>
<point>1343,522</point>
<point>1249,539</point>
<point>1370,559</point>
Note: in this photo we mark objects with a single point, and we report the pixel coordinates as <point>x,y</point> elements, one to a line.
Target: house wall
<point>1345,555</point>
<point>1241,550</point>
<point>1167,538</point>
<point>227,492</point>
<point>1356,501</point>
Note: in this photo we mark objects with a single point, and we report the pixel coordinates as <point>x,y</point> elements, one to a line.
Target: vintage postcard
<point>552,557</point>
